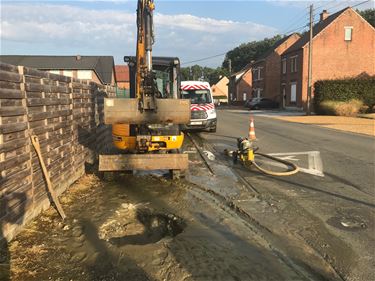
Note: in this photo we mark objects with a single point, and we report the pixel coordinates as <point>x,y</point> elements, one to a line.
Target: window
<point>68,73</point>
<point>283,62</point>
<point>244,96</point>
<point>348,33</point>
<point>197,96</point>
<point>255,74</point>
<point>260,73</point>
<point>84,74</point>
<point>293,64</point>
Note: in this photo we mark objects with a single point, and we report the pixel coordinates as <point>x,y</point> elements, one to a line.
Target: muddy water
<point>144,228</point>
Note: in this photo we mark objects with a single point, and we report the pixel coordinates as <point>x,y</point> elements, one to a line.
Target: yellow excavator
<point>146,126</point>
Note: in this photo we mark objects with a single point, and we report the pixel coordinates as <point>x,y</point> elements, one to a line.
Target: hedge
<point>362,89</point>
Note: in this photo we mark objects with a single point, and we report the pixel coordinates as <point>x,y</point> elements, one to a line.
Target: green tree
<point>247,52</point>
<point>195,72</point>
<point>369,15</point>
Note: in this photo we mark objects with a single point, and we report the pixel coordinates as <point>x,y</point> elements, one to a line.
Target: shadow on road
<point>301,185</point>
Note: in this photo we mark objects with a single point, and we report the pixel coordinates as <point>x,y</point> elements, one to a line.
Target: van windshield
<point>197,96</point>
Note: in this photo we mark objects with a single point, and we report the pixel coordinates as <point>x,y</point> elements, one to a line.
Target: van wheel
<point>213,130</point>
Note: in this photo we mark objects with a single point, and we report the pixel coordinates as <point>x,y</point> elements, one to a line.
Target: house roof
<point>122,73</point>
<point>102,65</point>
<point>274,47</point>
<point>220,88</point>
<point>318,27</point>
<point>238,75</point>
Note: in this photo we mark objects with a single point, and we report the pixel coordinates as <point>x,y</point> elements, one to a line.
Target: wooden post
<point>35,141</point>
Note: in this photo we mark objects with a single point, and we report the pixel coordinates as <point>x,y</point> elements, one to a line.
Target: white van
<point>203,113</point>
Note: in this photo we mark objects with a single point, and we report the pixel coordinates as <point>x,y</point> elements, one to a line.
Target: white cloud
<point>60,29</point>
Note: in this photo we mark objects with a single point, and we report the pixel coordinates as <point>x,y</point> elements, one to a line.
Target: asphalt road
<point>333,209</point>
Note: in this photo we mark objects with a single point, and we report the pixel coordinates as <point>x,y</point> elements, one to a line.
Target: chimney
<point>78,57</point>
<point>323,15</point>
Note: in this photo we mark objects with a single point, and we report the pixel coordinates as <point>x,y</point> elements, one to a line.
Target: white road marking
<point>315,164</point>
<point>289,158</point>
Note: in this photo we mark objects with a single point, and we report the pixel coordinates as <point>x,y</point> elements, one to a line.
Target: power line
<point>297,29</point>
<point>202,59</point>
<point>297,20</point>
<point>360,3</point>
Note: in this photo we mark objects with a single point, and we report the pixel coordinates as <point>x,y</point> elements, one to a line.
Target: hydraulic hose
<point>272,173</point>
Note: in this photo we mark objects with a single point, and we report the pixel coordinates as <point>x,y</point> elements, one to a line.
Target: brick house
<point>343,46</point>
<point>122,76</point>
<point>220,90</point>
<point>240,85</point>
<point>266,70</point>
<point>100,69</point>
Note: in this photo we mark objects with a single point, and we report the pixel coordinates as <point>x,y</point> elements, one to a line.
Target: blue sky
<point>188,29</point>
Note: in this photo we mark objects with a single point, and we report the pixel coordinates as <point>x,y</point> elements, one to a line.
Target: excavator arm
<point>146,107</point>
<point>145,84</point>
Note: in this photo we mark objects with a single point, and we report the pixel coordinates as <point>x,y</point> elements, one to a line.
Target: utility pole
<point>230,98</point>
<point>309,79</point>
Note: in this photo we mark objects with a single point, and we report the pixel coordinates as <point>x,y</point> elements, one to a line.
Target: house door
<point>293,93</point>
<point>284,96</point>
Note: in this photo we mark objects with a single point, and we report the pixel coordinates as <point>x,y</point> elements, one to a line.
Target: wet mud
<point>209,226</point>
<point>144,228</point>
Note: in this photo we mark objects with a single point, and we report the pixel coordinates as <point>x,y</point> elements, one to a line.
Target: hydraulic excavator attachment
<point>169,111</point>
<point>145,127</point>
<point>148,106</point>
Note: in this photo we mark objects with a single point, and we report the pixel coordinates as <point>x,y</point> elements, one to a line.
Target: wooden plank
<point>14,181</point>
<point>124,162</point>
<point>10,76</point>
<point>18,196</point>
<point>34,87</point>
<point>19,159</point>
<point>10,102</point>
<point>11,93</point>
<point>12,110</point>
<point>11,128</point>
<point>9,85</point>
<point>14,136</point>
<point>8,67</point>
<point>28,71</point>
<point>59,78</point>
<point>8,146</point>
<point>47,101</point>
<point>12,119</point>
<point>36,145</point>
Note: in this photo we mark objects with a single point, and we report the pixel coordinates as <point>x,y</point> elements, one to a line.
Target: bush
<point>344,90</point>
<point>339,108</point>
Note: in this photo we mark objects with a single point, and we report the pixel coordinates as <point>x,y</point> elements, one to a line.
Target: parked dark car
<point>261,103</point>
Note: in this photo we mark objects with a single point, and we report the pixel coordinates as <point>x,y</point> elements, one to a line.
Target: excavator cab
<point>150,137</point>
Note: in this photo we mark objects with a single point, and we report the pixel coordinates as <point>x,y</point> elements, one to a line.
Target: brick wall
<point>67,116</point>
